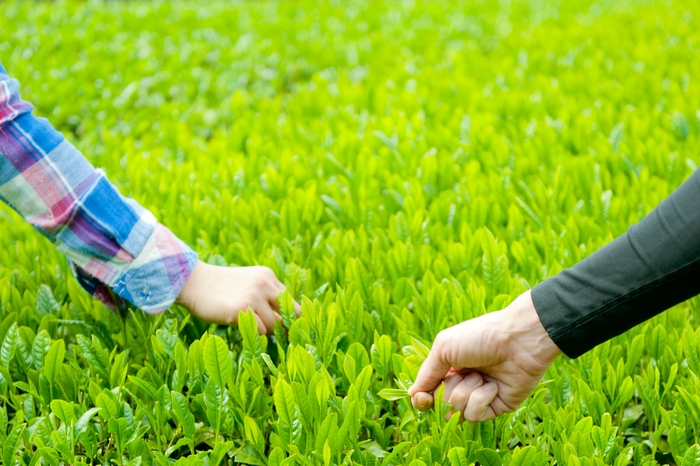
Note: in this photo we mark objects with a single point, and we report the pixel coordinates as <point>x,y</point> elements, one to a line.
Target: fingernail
<point>473,379</point>
<point>425,401</point>
<point>490,387</point>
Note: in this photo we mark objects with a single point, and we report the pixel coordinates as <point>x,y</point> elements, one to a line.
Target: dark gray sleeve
<point>649,269</point>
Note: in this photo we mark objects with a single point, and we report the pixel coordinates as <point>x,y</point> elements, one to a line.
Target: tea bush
<point>402,166</point>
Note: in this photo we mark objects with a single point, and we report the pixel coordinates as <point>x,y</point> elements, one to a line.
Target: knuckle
<point>443,344</point>
<point>440,338</point>
<point>510,409</point>
<point>252,301</point>
<point>474,380</point>
<point>459,396</point>
<point>478,398</point>
<point>475,414</point>
<point>261,281</point>
<point>441,341</point>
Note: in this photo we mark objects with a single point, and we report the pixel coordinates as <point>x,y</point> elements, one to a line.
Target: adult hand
<point>217,294</point>
<point>489,364</point>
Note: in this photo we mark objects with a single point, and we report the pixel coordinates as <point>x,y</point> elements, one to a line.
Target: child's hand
<point>217,294</point>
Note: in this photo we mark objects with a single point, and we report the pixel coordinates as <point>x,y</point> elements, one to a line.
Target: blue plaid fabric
<point>118,251</point>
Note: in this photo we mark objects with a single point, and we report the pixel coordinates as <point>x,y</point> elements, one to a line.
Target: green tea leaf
<point>54,360</point>
<point>523,456</point>
<point>252,342</point>
<point>393,394</point>
<point>692,456</point>
<point>327,433</point>
<point>288,412</point>
<point>289,315</point>
<point>488,457</point>
<point>214,397</point>
<point>9,345</point>
<point>108,408</point>
<point>457,456</point>
<point>217,360</point>
<point>91,353</point>
<point>11,445</point>
<point>676,440</point>
<point>252,432</point>
<point>63,410</point>
<point>381,355</point>
<point>45,302</point>
<point>40,347</point>
<point>351,425</point>
<point>183,414</point>
<point>276,457</point>
<point>395,452</point>
<point>82,423</point>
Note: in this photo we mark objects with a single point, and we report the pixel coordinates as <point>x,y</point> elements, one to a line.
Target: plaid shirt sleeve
<point>118,251</point>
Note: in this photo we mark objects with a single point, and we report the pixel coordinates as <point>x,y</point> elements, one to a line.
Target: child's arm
<point>117,249</point>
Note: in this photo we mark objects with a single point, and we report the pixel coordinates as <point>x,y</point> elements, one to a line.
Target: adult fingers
<point>504,403</point>
<point>297,308</point>
<point>422,401</point>
<point>452,379</point>
<point>462,393</point>
<point>434,368</point>
<point>479,406</point>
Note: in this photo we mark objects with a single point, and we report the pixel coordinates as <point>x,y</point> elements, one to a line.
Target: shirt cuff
<point>152,282</point>
<point>554,318</point>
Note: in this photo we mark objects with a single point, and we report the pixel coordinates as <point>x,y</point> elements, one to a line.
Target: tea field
<point>402,166</point>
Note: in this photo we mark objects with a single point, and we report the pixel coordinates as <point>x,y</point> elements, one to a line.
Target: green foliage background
<point>402,166</point>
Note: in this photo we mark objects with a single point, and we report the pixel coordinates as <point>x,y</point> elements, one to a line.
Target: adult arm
<point>652,267</point>
<point>492,363</point>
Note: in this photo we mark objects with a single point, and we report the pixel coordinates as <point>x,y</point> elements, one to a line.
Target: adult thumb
<point>433,370</point>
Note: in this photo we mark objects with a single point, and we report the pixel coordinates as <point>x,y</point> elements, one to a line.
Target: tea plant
<point>401,166</point>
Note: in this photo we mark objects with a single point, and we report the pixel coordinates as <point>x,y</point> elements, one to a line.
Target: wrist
<point>525,332</point>
<point>188,293</point>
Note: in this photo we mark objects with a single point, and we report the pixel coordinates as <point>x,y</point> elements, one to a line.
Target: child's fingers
<point>262,328</point>
<point>281,288</point>
<point>267,316</point>
<point>273,302</point>
<point>278,284</point>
